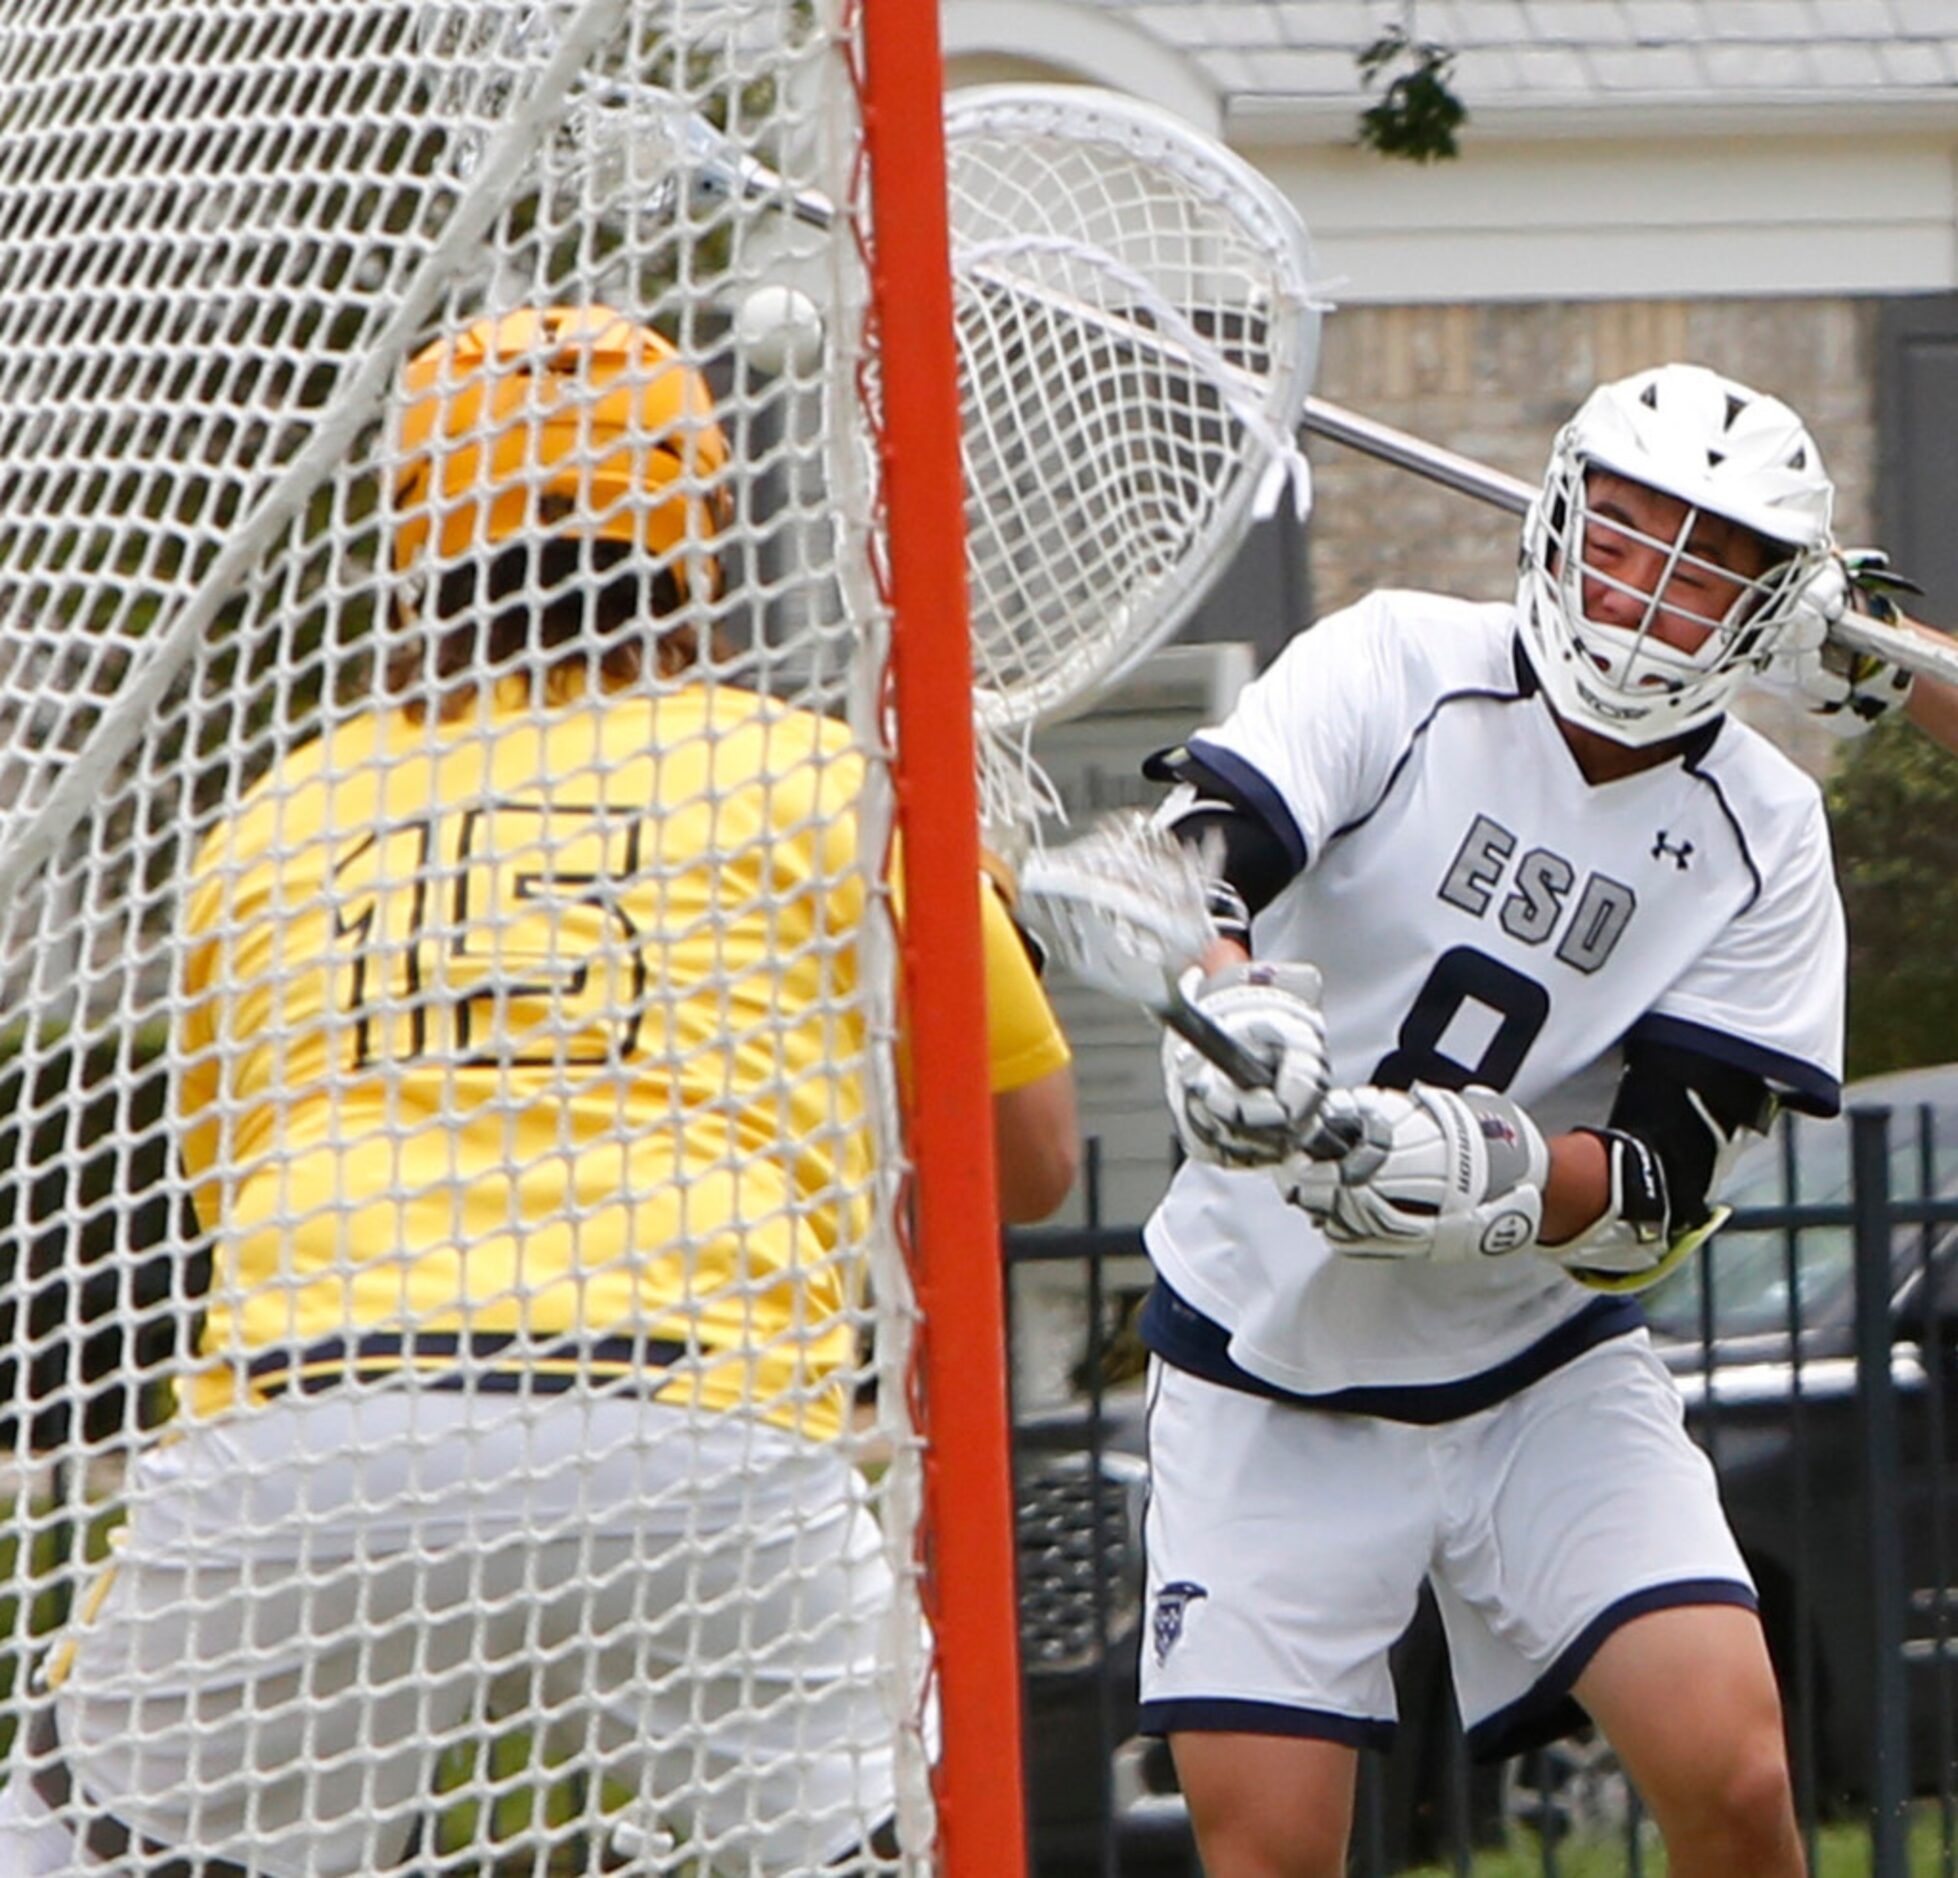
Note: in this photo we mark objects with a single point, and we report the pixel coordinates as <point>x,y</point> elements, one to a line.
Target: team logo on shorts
<point>1166,1622</point>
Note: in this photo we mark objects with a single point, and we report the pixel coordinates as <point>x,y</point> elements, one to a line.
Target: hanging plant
<point>1418,113</point>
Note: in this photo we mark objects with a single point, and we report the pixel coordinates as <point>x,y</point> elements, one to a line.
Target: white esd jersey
<point>1482,914</point>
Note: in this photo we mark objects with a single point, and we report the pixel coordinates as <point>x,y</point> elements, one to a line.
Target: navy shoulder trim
<point>1260,795</point>
<point>1805,1086</point>
<point>1691,762</point>
<point>1467,695</point>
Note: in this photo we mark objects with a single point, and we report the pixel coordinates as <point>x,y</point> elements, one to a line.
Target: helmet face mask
<point>1680,520</point>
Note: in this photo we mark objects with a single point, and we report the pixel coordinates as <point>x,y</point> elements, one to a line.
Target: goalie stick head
<point>1642,626</point>
<point>558,421</point>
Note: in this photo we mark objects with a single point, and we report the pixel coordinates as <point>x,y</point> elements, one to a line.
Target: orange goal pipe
<point>968,1469</point>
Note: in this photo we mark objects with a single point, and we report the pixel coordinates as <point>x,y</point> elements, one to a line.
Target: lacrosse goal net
<point>291,1046</point>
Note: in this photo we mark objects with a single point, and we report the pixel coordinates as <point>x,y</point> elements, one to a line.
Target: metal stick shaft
<point>716,156</point>
<point>1908,649</point>
<point>1215,1043</point>
<point>1460,473</point>
<point>1901,647</point>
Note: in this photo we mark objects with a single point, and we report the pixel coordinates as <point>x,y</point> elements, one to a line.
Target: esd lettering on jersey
<point>1535,896</point>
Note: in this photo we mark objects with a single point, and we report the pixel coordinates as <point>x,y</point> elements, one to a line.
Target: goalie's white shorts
<point>1287,1547</point>
<point>319,1598</point>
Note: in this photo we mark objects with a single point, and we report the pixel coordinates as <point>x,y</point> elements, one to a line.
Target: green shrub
<point>1893,806</point>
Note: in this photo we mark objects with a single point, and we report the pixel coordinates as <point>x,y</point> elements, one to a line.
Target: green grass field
<point>1840,1852</point>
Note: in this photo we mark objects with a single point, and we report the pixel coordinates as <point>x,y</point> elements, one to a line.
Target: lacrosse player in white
<point>1578,933</point>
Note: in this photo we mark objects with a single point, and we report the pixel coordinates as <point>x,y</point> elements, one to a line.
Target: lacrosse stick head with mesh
<point>1137,331</point>
<point>1137,334</point>
<point>1123,908</point>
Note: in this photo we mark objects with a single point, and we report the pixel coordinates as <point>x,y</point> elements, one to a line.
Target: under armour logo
<point>1166,1621</point>
<point>1679,853</point>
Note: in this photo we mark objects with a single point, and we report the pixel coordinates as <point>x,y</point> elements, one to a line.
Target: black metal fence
<point>1816,1345</point>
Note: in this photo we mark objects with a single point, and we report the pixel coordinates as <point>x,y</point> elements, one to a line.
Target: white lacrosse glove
<point>1273,1010</point>
<point>1432,1175</point>
<point>1845,691</point>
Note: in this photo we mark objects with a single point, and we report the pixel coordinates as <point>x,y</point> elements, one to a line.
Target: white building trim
<point>1634,116</point>
<point>1078,42</point>
<point>1627,219</point>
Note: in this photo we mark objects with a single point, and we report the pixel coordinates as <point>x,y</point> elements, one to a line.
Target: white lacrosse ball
<point>779,330</point>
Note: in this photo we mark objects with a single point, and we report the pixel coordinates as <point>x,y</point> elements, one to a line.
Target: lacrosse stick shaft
<point>1330,1139</point>
<point>1215,1044</point>
<point>715,159</point>
<point>1909,650</point>
<point>1382,441</point>
<point>1901,645</point>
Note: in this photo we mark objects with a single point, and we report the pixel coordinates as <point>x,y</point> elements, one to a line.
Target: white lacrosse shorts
<point>1287,1547</point>
<point>316,1599</point>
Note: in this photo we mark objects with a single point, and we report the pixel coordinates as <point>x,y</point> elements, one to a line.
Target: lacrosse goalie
<point>523,1380</point>
<point>1578,935</point>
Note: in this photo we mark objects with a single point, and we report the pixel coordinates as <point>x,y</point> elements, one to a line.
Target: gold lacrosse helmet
<point>558,421</point>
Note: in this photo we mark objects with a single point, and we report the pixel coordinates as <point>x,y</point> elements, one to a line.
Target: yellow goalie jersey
<point>542,1029</point>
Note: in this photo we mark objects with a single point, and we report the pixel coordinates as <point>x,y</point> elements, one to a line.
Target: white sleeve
<point>1313,741</point>
<point>1768,994</point>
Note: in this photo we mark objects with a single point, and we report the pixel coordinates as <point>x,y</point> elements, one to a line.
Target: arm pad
<point>1630,1237</point>
<point>1248,864</point>
<point>1675,1126</point>
<point>1690,1111</point>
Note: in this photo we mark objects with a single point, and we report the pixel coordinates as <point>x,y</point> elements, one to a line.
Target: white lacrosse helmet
<point>1721,450</point>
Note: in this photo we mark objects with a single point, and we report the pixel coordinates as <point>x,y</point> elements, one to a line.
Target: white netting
<point>447,1101</point>
<point>1137,336</point>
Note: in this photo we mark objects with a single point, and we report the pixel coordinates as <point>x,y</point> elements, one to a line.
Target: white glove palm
<point>1847,692</point>
<point>1273,1010</point>
<point>1434,1175</point>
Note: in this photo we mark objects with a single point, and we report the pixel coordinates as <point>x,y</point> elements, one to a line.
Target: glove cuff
<point>1631,1234</point>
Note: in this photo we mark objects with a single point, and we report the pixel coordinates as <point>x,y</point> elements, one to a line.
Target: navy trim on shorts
<point>1229,1715</point>
<point>1186,1339</point>
<point>1548,1711</point>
